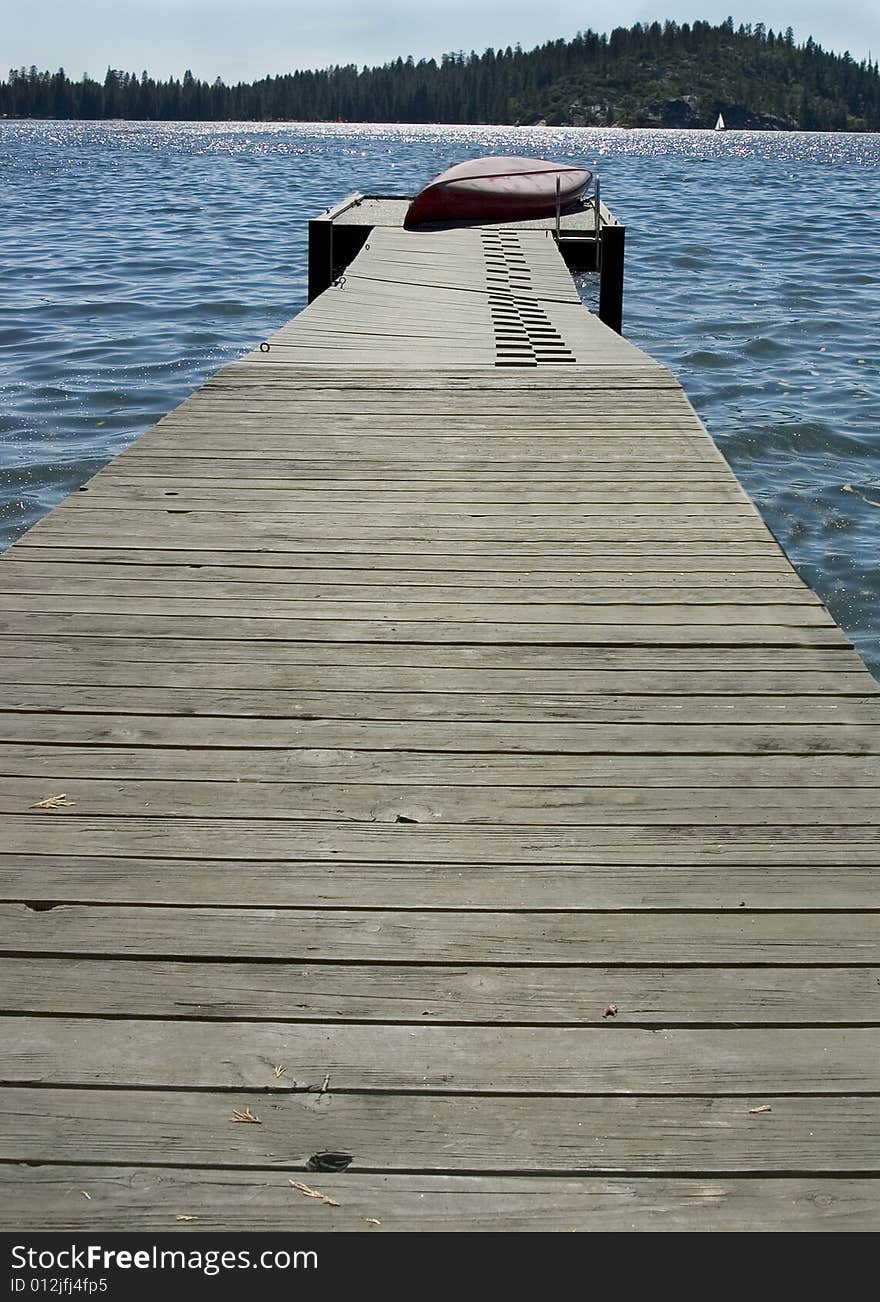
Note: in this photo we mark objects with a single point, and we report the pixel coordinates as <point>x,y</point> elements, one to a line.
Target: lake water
<point>135,258</point>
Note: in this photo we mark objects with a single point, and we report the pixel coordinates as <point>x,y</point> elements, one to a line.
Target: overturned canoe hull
<point>505,188</point>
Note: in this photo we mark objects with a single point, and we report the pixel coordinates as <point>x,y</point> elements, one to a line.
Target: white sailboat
<point>719,125</point>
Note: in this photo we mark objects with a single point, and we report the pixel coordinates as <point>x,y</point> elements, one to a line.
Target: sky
<point>240,40</point>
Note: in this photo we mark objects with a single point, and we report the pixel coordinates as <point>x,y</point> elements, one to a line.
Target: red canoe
<point>498,189</point>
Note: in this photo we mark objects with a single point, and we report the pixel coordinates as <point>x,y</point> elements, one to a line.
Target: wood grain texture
<point>615,881</point>
<point>340,935</point>
<point>415,769</point>
<point>401,842</point>
<point>442,760</point>
<point>540,737</point>
<point>154,1198</point>
<point>230,681</point>
<point>801,1135</point>
<point>480,806</point>
<point>328,993</point>
<point>565,661</point>
<point>569,616</point>
<point>608,1059</point>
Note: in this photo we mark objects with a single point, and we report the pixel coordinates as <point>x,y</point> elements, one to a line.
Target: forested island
<point>650,75</point>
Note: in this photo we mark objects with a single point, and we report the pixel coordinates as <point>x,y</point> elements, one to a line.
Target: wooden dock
<point>417,749</point>
<point>590,239</point>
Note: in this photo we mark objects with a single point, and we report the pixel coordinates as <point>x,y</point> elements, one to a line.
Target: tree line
<point>676,74</point>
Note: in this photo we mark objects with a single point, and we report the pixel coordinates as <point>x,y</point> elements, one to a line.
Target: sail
<point>719,125</point>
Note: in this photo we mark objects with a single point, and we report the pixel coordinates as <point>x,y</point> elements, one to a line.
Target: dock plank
<point>461,706</point>
<point>329,993</point>
<point>607,1060</point>
<point>171,876</point>
<point>445,936</point>
<point>541,737</point>
<point>154,1198</point>
<point>294,840</point>
<point>488,805</point>
<point>802,1135</point>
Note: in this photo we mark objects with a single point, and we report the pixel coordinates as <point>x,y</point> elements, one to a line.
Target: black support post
<point>320,256</point>
<point>321,251</point>
<point>611,277</point>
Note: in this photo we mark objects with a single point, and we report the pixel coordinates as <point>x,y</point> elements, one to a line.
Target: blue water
<point>137,258</point>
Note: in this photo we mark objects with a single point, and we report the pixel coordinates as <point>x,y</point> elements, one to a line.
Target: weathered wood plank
<point>456,937</point>
<point>463,707</point>
<point>567,662</point>
<point>412,1133</point>
<point>609,462</point>
<point>663,415</point>
<point>610,1059</point>
<point>83,875</point>
<point>541,520</point>
<point>499,995</point>
<point>610,738</point>
<point>564,554</point>
<point>570,616</point>
<point>602,565</point>
<point>407,769</point>
<point>443,505</point>
<point>365,494</point>
<point>611,396</point>
<point>242,628</point>
<point>316,841</point>
<point>650,429</point>
<point>480,806</point>
<point>604,549</point>
<point>233,684</point>
<point>294,595</point>
<point>202,526</point>
<point>154,1198</point>
<point>653,388</point>
<point>20,574</point>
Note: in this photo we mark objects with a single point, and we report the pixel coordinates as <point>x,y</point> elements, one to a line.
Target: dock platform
<point>427,780</point>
